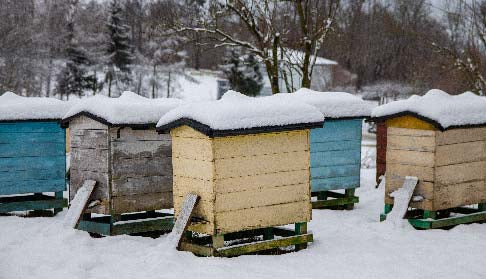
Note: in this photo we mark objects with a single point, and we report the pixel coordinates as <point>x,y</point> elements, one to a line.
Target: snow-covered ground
<point>347,244</point>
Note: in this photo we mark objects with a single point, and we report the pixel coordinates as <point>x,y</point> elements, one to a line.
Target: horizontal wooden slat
<point>453,174</point>
<point>262,217</point>
<point>29,138</point>
<point>409,132</point>
<point>193,168</point>
<point>32,186</point>
<point>89,159</point>
<point>23,149</point>
<point>410,122</point>
<point>131,135</point>
<point>203,210</point>
<point>424,205</point>
<point>127,167</point>
<point>260,144</point>
<point>89,139</point>
<point>143,202</point>
<point>101,190</point>
<point>335,158</point>
<point>253,165</point>
<point>337,130</point>
<point>185,185</point>
<point>140,149</point>
<point>262,197</point>
<point>413,143</point>
<point>336,183</point>
<point>30,127</point>
<point>455,195</point>
<point>460,153</point>
<point>32,174</point>
<point>192,148</point>
<point>423,188</point>
<point>83,122</point>
<point>335,171</point>
<point>26,163</point>
<point>405,157</point>
<point>187,132</point>
<point>336,146</point>
<point>461,135</point>
<point>139,185</point>
<point>268,180</point>
<point>423,173</point>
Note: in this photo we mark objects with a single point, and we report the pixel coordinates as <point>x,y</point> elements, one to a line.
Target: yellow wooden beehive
<point>244,181</point>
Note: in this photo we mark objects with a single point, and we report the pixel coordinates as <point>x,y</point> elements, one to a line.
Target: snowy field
<point>347,244</point>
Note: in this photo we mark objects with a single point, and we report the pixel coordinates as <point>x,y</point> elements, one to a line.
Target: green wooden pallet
<point>134,223</point>
<point>423,219</point>
<point>338,201</point>
<point>33,202</point>
<point>247,242</point>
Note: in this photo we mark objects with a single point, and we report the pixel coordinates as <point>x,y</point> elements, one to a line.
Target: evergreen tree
<point>119,51</point>
<point>243,73</point>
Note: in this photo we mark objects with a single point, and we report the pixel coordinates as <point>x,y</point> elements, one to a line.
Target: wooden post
<point>349,193</point>
<point>388,208</point>
<point>300,228</point>
<point>268,233</point>
<point>218,241</point>
<point>481,206</point>
<point>58,196</point>
<point>430,214</point>
<point>322,196</point>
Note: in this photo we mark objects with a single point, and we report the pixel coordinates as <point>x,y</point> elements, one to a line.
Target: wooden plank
<point>262,217</point>
<point>455,195</point>
<point>89,159</point>
<point>409,132</point>
<point>26,163</point>
<point>29,138</point>
<point>32,149</point>
<point>334,202</point>
<point>131,135</point>
<point>415,158</point>
<point>460,153</point>
<point>337,130</point>
<point>453,174</point>
<point>461,135</point>
<point>89,139</point>
<point>31,174</point>
<point>262,197</point>
<point>193,168</point>
<point>425,144</point>
<point>193,148</point>
<point>253,165</point>
<point>79,204</point>
<point>335,183</point>
<point>255,182</point>
<point>402,198</point>
<point>335,158</point>
<point>142,184</point>
<point>136,167</point>
<point>187,132</point>
<point>30,127</point>
<point>264,245</point>
<point>142,202</point>
<point>31,203</point>
<point>32,186</point>
<point>83,122</point>
<point>410,122</point>
<point>199,250</point>
<point>78,177</point>
<point>394,182</point>
<point>260,144</point>
<point>141,149</point>
<point>335,146</point>
<point>140,226</point>
<point>423,173</point>
<point>335,171</point>
<point>183,219</point>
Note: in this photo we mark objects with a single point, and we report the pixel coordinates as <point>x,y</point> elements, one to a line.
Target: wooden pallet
<point>424,219</point>
<point>338,201</point>
<point>134,223</point>
<point>247,242</point>
<point>37,201</point>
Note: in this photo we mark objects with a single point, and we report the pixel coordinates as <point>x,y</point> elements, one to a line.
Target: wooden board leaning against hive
<point>248,160</point>
<point>441,139</point>
<point>335,157</point>
<point>32,153</point>
<point>114,142</point>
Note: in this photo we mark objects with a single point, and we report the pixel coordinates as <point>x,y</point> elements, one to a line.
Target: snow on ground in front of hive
<point>347,244</point>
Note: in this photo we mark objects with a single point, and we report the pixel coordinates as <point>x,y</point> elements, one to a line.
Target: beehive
<point>244,181</point>
<point>32,153</point>
<point>440,139</point>
<point>117,146</point>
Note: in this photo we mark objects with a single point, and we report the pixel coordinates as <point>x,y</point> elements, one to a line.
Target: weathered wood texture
<point>381,135</point>
<point>133,168</point>
<point>450,165</point>
<point>245,182</point>
<point>335,157</point>
<point>32,157</point>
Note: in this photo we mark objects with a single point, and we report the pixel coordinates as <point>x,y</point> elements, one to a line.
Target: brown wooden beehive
<point>450,164</point>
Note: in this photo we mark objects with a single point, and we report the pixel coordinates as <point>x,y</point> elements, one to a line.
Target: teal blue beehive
<point>32,154</point>
<point>335,149</point>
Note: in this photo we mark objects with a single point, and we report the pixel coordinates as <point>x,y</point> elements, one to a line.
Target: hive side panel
<point>89,160</point>
<point>265,188</point>
<point>411,153</point>
<point>194,173</point>
<point>141,170</point>
<point>461,135</point>
<point>32,157</point>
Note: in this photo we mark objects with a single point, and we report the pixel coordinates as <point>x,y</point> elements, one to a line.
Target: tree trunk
<point>153,81</point>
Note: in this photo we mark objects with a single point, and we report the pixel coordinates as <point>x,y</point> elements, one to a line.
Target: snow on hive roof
<point>128,109</point>
<point>331,104</point>
<point>443,110</point>
<point>238,114</point>
<point>14,107</point>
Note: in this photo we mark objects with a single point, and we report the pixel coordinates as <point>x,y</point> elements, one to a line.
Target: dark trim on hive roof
<point>65,122</point>
<point>212,133</point>
<point>426,119</point>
